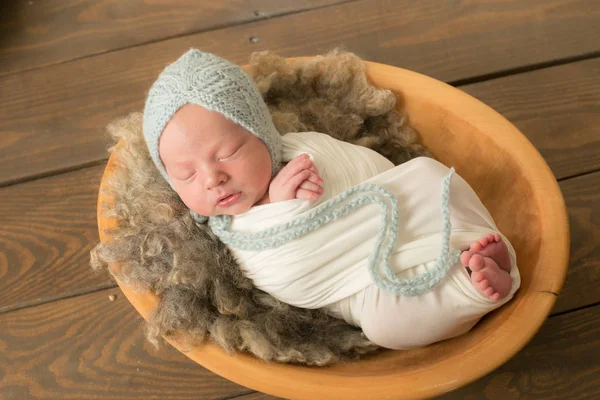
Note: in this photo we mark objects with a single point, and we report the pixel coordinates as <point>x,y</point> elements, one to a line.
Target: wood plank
<point>561,362</point>
<point>88,347</point>
<point>48,229</point>
<point>558,109</point>
<point>49,226</point>
<point>40,33</point>
<point>582,196</point>
<point>52,119</point>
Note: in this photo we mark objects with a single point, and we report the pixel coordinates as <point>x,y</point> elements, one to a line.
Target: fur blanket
<point>203,294</point>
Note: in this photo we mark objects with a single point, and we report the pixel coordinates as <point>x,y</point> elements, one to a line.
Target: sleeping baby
<point>407,253</point>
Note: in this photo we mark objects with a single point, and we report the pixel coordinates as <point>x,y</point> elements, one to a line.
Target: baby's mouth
<point>227,201</point>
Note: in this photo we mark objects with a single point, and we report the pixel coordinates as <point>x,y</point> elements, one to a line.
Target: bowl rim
<point>337,381</point>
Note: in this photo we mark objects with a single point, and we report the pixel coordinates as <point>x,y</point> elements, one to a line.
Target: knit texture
<point>340,205</point>
<point>213,83</point>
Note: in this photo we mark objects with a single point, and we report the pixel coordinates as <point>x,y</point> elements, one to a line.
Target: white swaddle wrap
<point>331,263</point>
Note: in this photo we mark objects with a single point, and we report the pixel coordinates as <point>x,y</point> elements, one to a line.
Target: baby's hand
<point>299,179</point>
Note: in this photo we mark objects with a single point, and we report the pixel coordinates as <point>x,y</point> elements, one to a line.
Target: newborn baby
<point>211,137</point>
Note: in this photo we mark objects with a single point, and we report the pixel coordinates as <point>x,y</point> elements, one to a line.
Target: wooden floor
<point>67,68</point>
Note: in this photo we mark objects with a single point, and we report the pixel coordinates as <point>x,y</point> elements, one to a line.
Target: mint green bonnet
<point>213,83</point>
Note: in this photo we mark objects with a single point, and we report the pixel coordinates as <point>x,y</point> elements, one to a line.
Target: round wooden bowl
<point>518,188</point>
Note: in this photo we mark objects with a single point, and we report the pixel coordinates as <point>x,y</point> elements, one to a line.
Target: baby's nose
<point>215,179</point>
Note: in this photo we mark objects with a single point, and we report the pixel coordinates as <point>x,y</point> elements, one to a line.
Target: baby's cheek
<point>192,200</point>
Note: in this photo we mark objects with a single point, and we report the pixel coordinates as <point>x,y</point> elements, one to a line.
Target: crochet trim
<point>341,205</point>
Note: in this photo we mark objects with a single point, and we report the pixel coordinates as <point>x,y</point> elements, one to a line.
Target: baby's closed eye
<point>184,175</point>
<point>190,177</point>
<point>230,154</point>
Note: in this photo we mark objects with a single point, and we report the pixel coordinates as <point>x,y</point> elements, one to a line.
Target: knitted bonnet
<point>215,84</point>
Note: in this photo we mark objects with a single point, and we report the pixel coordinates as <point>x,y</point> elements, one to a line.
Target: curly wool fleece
<point>203,294</point>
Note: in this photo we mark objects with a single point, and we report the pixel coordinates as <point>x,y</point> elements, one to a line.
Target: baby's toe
<point>476,262</point>
<point>475,246</point>
<point>489,291</point>
<point>483,241</point>
<point>465,257</point>
<point>495,296</point>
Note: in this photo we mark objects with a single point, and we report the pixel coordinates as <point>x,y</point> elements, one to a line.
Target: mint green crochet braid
<point>332,210</point>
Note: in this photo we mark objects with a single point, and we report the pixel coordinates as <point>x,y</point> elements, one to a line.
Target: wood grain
<point>48,229</point>
<point>40,33</point>
<point>52,119</point>
<point>257,396</point>
<point>89,347</point>
<point>49,225</point>
<point>582,196</point>
<point>80,346</point>
<point>557,108</point>
<point>561,362</point>
<point>495,158</point>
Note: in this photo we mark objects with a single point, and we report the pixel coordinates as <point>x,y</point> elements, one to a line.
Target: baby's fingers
<point>295,166</point>
<point>314,177</point>
<point>304,194</point>
<point>295,181</point>
<point>312,187</point>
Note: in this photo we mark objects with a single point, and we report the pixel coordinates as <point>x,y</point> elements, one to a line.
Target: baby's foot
<point>493,246</point>
<point>488,259</point>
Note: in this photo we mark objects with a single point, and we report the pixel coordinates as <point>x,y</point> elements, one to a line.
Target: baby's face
<point>215,165</point>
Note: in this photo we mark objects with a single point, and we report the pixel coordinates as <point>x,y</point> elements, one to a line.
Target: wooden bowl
<point>518,188</point>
